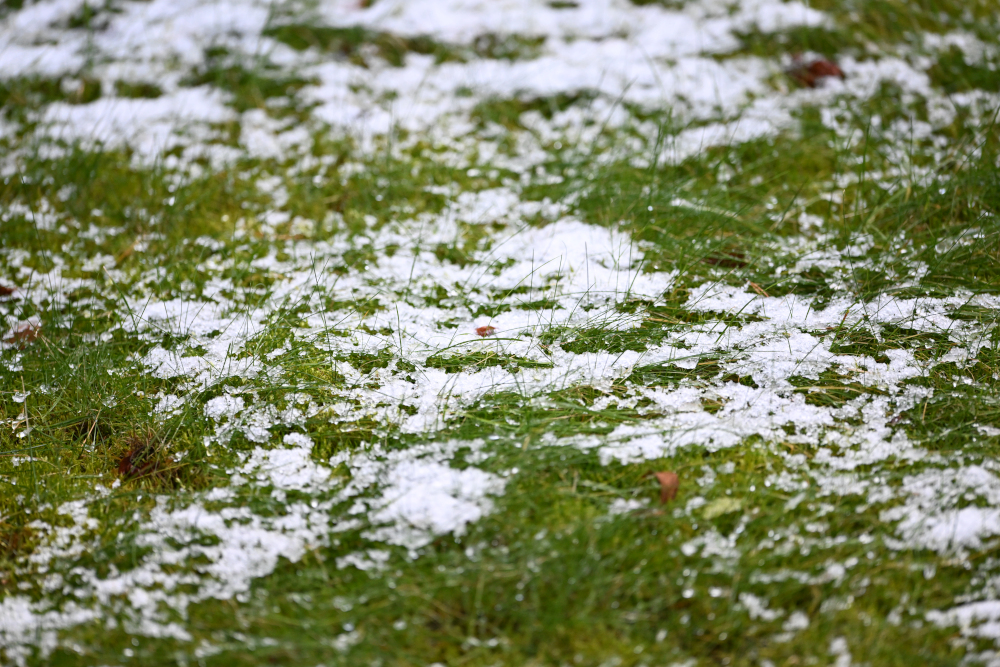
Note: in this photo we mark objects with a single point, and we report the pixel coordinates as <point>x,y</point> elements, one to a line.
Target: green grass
<point>251,87</point>
<point>794,519</point>
<point>349,43</point>
<point>589,587</point>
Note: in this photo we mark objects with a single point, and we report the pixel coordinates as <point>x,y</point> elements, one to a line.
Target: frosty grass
<point>249,244</point>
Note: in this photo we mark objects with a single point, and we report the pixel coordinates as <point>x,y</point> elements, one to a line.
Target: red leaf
<point>485,331</point>
<point>669,483</point>
<point>822,68</point>
<point>24,333</point>
<point>810,74</point>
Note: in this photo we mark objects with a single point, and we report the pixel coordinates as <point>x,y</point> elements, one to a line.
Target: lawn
<point>341,332</point>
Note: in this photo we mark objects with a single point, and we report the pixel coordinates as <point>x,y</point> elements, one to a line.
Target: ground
<point>355,333</point>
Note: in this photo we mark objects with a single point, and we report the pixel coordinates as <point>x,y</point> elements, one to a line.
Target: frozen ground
<point>351,333</point>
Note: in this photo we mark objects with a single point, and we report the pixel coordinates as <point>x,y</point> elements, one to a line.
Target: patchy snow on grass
<point>334,387</point>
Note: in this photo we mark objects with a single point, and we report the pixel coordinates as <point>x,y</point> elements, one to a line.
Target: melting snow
<point>611,52</point>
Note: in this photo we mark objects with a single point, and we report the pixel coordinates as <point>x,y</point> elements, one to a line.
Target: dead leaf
<point>485,331</point>
<point>727,260</point>
<point>6,291</point>
<point>810,74</point>
<point>135,460</point>
<point>24,333</point>
<point>760,290</point>
<point>669,483</point>
<point>13,540</point>
<point>822,68</point>
<point>144,459</point>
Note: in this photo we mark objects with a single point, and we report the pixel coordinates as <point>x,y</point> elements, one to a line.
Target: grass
<point>335,292</point>
<point>350,43</point>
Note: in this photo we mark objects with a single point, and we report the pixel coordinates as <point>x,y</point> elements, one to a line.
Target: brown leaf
<point>145,460</point>
<point>13,539</point>
<point>24,333</point>
<point>669,483</point>
<point>727,260</point>
<point>760,290</point>
<point>485,331</point>
<point>136,459</point>
<point>810,74</point>
<point>822,68</point>
<point>6,291</point>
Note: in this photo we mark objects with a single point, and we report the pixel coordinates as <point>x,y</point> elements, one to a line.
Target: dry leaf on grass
<point>758,289</point>
<point>144,459</point>
<point>726,259</point>
<point>6,291</point>
<point>669,483</point>
<point>810,74</point>
<point>24,333</point>
<point>485,331</point>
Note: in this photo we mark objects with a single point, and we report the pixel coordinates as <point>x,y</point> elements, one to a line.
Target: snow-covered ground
<point>411,479</point>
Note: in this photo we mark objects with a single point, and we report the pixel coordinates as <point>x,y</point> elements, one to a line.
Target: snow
<point>396,499</point>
